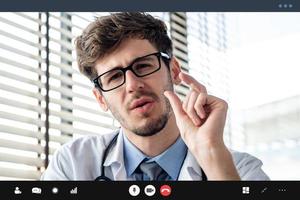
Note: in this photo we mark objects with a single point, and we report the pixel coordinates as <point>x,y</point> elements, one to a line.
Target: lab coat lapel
<point>190,169</point>
<point>115,160</point>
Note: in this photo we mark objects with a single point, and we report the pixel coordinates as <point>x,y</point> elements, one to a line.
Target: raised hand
<point>201,120</point>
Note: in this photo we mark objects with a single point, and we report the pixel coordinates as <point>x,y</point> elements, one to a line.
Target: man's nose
<point>133,82</point>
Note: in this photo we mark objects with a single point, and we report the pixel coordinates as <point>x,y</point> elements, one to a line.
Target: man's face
<point>139,104</point>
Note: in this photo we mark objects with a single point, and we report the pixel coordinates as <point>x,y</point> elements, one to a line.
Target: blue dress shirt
<point>170,160</point>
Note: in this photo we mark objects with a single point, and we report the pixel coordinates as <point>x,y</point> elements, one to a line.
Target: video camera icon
<point>149,190</point>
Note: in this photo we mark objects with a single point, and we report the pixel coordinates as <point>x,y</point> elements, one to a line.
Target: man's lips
<point>140,102</point>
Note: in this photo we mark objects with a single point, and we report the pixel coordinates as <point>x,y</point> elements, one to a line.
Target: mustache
<point>140,94</point>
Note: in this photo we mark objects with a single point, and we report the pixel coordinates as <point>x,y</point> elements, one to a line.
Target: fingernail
<point>202,115</point>
<point>197,121</point>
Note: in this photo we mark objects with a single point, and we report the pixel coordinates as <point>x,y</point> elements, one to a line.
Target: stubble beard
<point>153,126</point>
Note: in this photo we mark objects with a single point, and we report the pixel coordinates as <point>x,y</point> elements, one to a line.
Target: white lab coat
<point>81,160</point>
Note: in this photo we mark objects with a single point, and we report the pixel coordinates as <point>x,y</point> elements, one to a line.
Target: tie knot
<point>153,171</point>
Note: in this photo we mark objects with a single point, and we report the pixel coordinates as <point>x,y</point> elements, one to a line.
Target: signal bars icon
<point>73,191</point>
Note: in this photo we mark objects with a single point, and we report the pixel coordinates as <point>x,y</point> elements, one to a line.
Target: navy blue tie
<point>151,171</point>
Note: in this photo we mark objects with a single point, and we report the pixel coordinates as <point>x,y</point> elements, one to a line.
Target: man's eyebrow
<point>146,57</point>
<point>134,60</point>
<point>116,67</point>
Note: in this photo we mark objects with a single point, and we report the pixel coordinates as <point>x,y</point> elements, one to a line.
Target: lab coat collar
<point>115,159</point>
<point>190,169</point>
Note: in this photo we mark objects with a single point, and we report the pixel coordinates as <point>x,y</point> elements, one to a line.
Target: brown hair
<point>105,34</point>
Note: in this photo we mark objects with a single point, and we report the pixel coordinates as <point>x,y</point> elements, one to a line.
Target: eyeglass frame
<point>129,67</point>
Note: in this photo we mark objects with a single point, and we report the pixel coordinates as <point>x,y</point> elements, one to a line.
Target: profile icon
<point>17,190</point>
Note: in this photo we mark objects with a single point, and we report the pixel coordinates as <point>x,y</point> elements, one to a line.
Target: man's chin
<point>148,127</point>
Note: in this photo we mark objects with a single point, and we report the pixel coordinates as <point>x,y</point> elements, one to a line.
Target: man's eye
<point>143,66</point>
<point>115,77</point>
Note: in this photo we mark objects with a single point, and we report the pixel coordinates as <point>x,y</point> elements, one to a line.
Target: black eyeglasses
<point>142,66</point>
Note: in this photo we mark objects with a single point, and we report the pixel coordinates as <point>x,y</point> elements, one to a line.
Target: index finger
<point>193,83</point>
<point>175,103</point>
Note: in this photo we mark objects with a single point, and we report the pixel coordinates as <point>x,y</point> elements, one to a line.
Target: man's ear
<point>100,99</point>
<point>175,70</point>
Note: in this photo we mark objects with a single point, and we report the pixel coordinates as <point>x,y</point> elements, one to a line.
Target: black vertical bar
<point>47,93</point>
<point>40,80</point>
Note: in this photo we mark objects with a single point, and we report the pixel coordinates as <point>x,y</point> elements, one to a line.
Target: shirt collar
<point>190,169</point>
<point>170,160</point>
<point>132,155</point>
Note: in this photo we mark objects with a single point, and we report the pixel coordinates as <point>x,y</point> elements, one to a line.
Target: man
<point>128,56</point>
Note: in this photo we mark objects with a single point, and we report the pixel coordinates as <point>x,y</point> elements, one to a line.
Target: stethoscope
<point>102,177</point>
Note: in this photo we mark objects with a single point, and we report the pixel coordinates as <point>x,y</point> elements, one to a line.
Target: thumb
<point>176,104</point>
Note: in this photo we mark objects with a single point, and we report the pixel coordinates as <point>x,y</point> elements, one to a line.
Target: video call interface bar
<point>149,190</point>
<point>189,190</point>
<point>151,6</point>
